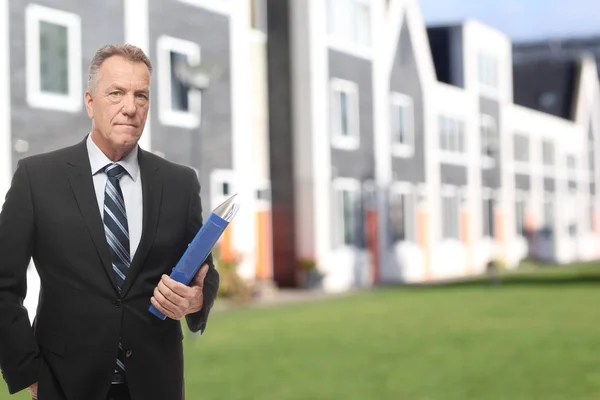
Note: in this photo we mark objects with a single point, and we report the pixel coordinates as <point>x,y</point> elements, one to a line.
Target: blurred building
<point>356,137</point>
<point>566,49</point>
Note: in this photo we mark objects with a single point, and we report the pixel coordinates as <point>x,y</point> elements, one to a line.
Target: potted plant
<point>309,276</point>
<point>232,286</point>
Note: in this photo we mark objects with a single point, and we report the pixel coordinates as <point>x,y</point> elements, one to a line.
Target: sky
<point>521,19</point>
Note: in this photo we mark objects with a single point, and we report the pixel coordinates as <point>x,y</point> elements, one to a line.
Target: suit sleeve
<point>19,353</point>
<point>197,321</point>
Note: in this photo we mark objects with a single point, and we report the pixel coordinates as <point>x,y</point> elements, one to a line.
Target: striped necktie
<point>117,233</point>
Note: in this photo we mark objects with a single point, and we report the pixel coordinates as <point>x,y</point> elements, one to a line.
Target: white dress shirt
<point>131,186</point>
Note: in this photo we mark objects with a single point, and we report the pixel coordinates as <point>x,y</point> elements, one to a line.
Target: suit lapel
<point>152,197</point>
<point>80,177</point>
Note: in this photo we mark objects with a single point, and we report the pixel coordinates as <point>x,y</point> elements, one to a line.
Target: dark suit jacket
<point>51,214</point>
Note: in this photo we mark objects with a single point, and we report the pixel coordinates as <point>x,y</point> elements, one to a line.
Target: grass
<point>534,336</point>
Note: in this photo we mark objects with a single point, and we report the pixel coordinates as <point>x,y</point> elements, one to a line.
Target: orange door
<point>264,243</point>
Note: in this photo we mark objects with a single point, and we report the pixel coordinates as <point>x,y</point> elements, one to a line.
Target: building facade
<point>356,138</point>
<point>406,153</point>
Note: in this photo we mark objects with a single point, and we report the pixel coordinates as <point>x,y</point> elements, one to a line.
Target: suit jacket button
<point>117,303</point>
<point>128,354</point>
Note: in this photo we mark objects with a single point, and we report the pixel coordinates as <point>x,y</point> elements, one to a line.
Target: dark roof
<point>547,86</point>
<point>557,50</point>
<point>439,43</point>
<point>441,40</point>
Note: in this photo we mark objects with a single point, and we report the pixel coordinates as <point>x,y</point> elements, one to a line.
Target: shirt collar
<point>98,160</point>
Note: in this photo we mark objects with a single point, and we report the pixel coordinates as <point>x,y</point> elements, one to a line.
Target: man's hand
<point>33,390</point>
<point>176,300</point>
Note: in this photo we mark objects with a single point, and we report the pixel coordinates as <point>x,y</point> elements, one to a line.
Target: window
<point>258,15</point>
<point>451,216</point>
<point>224,189</point>
<point>263,194</point>
<point>402,125</point>
<point>487,71</point>
<point>178,106</point>
<point>53,60</point>
<point>402,214</point>
<point>548,215</point>
<point>548,153</point>
<point>520,210</point>
<point>179,92</point>
<point>344,115</point>
<point>221,186</point>
<point>350,21</point>
<point>452,135</point>
<point>487,217</point>
<point>521,147</point>
<point>346,212</point>
<point>489,137</point>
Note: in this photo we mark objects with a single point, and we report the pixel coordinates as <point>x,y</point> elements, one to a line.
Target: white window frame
<point>455,193</point>
<point>398,100</point>
<point>410,208</point>
<point>339,141</point>
<point>36,98</point>
<point>488,123</point>
<point>352,186</point>
<point>168,116</point>
<point>337,39</point>
<point>454,155</point>
<point>217,178</point>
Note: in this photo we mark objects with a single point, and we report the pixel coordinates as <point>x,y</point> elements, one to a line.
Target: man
<point>105,223</point>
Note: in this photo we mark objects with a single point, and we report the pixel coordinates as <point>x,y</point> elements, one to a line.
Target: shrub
<point>232,286</point>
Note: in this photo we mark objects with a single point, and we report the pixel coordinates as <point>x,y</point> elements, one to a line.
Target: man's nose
<point>129,106</point>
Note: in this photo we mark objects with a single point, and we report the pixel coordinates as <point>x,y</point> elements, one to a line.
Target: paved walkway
<point>281,297</point>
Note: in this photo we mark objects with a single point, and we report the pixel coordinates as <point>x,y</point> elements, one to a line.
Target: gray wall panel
<point>491,176</point>
<point>208,147</point>
<point>44,129</point>
<point>405,80</point>
<point>453,175</point>
<point>522,182</point>
<point>357,163</point>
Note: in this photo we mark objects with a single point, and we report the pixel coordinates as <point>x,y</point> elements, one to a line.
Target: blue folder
<point>201,246</point>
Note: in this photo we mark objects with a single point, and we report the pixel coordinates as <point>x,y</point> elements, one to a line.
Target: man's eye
<point>115,93</point>
<point>142,96</point>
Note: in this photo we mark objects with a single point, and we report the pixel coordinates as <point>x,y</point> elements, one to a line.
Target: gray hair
<point>127,51</point>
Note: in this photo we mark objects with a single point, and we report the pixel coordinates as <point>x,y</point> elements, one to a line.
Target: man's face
<point>119,105</point>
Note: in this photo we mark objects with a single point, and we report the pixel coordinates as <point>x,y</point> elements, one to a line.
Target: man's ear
<point>89,100</point>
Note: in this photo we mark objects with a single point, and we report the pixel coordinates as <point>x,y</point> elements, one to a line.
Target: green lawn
<point>535,336</point>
